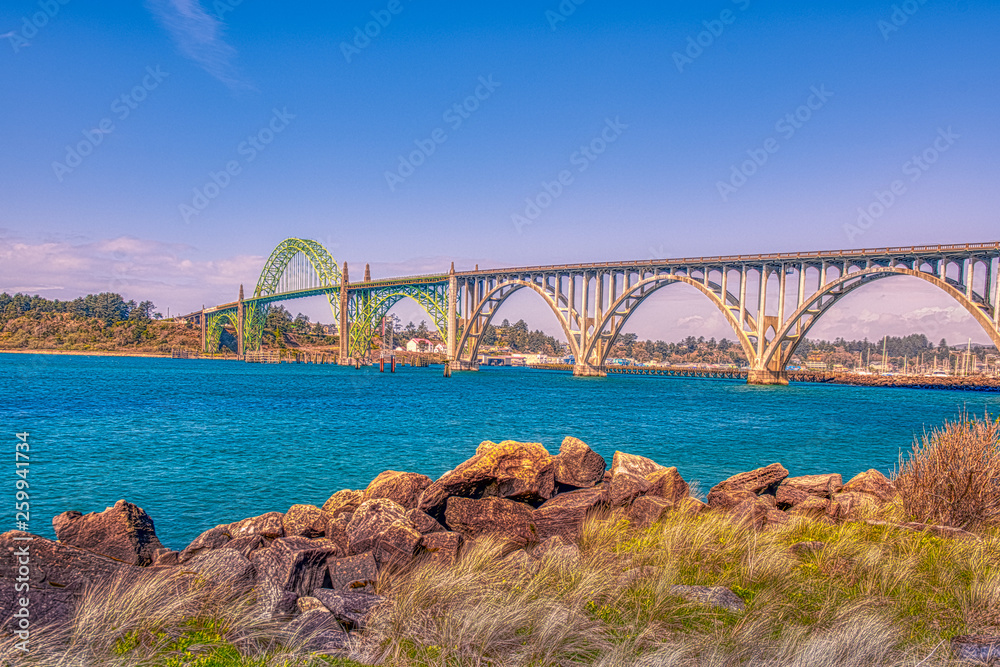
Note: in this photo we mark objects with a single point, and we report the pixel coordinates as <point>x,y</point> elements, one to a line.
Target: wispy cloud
<point>199,36</point>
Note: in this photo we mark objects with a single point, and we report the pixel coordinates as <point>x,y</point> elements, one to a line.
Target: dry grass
<point>874,596</point>
<point>952,476</point>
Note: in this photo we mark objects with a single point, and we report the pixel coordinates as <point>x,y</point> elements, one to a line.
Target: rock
<point>57,565</point>
<point>578,465</point>
<point>557,550</point>
<point>348,607</point>
<point>845,506</point>
<point>317,630</point>
<point>123,532</point>
<point>793,490</point>
<point>213,538</point>
<point>519,471</point>
<point>403,487</point>
<point>336,530</point>
<point>294,565</point>
<point>506,518</point>
<point>520,563</point>
<point>771,501</point>
<point>805,548</point>
<point>397,545</point>
<point>735,490</point>
<point>47,606</point>
<point>717,596</point>
<point>692,506</point>
<point>442,548</point>
<point>669,484</point>
<point>304,521</point>
<point>352,572</point>
<point>753,512</point>
<point>345,500</point>
<point>872,483</point>
<point>370,520</point>
<point>269,526</point>
<point>484,446</point>
<point>223,566</point>
<point>564,514</point>
<point>776,517</point>
<point>165,557</point>
<point>308,603</point>
<point>813,507</point>
<point>647,510</point>
<point>628,478</point>
<point>247,544</point>
<point>981,648</point>
<point>424,522</point>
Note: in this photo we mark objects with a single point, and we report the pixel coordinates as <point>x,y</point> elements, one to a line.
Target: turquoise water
<point>198,443</point>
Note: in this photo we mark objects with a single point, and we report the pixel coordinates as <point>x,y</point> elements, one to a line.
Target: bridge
<point>771,301</point>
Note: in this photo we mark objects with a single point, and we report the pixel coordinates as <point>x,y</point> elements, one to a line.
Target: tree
<point>142,312</point>
<point>318,329</point>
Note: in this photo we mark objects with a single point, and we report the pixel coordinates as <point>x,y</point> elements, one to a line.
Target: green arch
<point>322,262</point>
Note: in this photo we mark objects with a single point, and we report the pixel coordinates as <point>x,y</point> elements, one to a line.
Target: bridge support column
<point>204,330</point>
<point>344,325</point>
<point>240,325</point>
<point>588,371</point>
<point>767,376</point>
<point>452,310</point>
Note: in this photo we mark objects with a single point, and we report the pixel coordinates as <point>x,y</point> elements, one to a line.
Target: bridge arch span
<point>477,321</point>
<point>621,310</point>
<point>322,263</point>
<point>794,329</point>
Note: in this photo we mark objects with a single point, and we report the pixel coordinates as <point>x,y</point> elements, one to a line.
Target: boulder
<point>628,478</point>
<point>269,526</point>
<point>397,545</point>
<point>352,572</point>
<point>844,506</point>
<point>716,596</point>
<point>753,512</point>
<point>813,507</point>
<point>564,514</point>
<point>213,538</point>
<point>223,566</point>
<point>345,500</point>
<point>442,547</point>
<point>776,517</point>
<point>984,649</point>
<point>647,510</point>
<point>424,522</point>
<point>369,521</point>
<point>519,471</point>
<point>46,606</point>
<point>691,505</point>
<point>577,465</point>
<point>336,530</point>
<point>793,490</point>
<point>348,607</point>
<point>872,483</point>
<point>316,630</point>
<point>506,518</point>
<point>166,557</point>
<point>57,565</point>
<point>123,532</point>
<point>403,487</point>
<point>738,488</point>
<point>304,521</point>
<point>667,483</point>
<point>520,563</point>
<point>291,565</point>
<point>557,550</point>
<point>308,603</point>
<point>247,544</point>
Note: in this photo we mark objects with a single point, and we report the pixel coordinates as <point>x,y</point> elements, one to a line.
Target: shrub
<point>952,476</point>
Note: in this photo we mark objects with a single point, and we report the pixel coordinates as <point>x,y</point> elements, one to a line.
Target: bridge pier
<point>462,365</point>
<point>767,376</point>
<point>588,371</point>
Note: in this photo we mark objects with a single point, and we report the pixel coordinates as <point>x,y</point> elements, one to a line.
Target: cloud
<point>169,274</point>
<point>198,35</point>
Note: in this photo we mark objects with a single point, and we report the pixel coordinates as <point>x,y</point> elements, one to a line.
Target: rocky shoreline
<point>316,568</point>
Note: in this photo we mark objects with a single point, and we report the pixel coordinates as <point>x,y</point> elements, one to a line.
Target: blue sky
<point>309,129</point>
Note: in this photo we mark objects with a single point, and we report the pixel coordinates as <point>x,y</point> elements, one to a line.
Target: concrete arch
<point>658,283</point>
<point>364,326</point>
<point>776,356</point>
<point>493,300</point>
